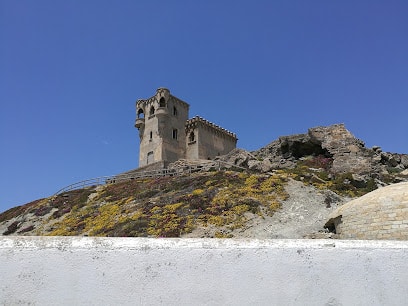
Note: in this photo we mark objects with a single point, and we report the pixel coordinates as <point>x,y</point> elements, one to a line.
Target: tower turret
<point>160,121</point>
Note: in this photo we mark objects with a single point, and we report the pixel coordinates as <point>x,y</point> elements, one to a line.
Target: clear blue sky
<point>71,72</point>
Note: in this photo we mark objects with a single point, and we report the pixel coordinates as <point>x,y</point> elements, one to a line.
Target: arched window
<point>150,157</point>
<point>151,111</point>
<point>140,113</point>
<point>162,102</point>
<point>174,111</point>
<point>191,137</point>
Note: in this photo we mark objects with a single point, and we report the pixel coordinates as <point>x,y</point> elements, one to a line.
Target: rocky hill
<point>288,190</point>
<point>332,149</point>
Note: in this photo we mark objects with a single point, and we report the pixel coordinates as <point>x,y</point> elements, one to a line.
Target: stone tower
<point>160,121</point>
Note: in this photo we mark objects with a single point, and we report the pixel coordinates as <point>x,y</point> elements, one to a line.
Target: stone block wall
<point>381,214</point>
<point>210,140</point>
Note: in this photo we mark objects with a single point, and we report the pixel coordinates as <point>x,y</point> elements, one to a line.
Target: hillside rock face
<point>334,145</point>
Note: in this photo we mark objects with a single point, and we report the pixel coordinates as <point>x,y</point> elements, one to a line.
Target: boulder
<point>237,157</point>
<point>261,166</point>
<point>404,160</point>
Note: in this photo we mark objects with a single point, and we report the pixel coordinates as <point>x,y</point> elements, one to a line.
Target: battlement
<point>161,99</point>
<point>197,120</point>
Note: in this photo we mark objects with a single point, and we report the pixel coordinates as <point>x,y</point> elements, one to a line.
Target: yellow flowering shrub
<point>197,192</point>
<point>170,207</point>
<point>165,222</point>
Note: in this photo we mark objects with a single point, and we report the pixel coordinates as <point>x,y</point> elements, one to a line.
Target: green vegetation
<point>315,171</point>
<point>18,210</point>
<point>170,207</point>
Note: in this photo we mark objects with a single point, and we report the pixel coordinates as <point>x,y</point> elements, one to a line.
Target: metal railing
<point>184,169</point>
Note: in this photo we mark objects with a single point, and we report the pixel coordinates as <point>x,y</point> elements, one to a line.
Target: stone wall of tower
<point>206,140</point>
<point>172,130</point>
<point>160,120</point>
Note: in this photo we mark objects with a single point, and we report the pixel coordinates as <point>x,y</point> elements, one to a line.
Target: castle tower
<point>161,120</point>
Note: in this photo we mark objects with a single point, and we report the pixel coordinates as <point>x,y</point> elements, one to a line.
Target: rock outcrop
<point>338,151</point>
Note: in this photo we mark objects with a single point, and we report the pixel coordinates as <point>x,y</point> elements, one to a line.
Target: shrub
<point>219,234</point>
<point>129,209</point>
<point>12,228</point>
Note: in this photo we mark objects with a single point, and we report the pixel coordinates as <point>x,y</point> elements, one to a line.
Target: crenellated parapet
<point>198,121</point>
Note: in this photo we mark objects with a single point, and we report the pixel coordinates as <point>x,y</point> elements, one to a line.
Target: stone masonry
<point>380,214</point>
<point>206,140</point>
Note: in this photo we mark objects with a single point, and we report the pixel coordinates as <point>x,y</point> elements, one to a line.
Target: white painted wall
<point>137,271</point>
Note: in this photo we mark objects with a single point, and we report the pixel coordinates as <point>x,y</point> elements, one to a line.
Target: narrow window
<point>152,111</point>
<point>191,138</point>
<point>162,102</point>
<point>174,111</point>
<point>151,135</point>
<point>175,134</point>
